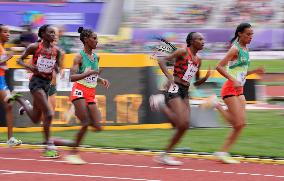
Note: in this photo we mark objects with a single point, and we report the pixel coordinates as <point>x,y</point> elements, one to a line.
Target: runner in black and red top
<point>45,60</point>
<point>175,102</point>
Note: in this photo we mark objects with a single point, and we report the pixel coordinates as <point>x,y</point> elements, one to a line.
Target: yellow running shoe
<point>74,160</point>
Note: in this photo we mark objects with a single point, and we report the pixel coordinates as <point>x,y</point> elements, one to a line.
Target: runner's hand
<point>105,83</point>
<point>33,68</point>
<point>259,70</point>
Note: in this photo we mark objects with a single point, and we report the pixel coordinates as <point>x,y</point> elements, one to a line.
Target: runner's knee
<point>239,126</point>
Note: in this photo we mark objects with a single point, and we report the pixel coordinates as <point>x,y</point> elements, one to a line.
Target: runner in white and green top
<point>91,80</point>
<point>85,75</point>
<point>234,67</point>
<point>239,67</point>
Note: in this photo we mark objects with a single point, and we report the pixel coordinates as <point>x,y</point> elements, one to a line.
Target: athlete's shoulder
<point>181,52</point>
<point>34,45</point>
<point>234,48</point>
<point>79,56</point>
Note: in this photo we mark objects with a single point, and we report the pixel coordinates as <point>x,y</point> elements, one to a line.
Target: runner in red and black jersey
<point>44,62</point>
<point>175,102</point>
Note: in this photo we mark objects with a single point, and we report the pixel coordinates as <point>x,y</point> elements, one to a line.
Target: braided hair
<point>189,38</point>
<point>42,30</point>
<point>240,28</point>
<point>84,33</point>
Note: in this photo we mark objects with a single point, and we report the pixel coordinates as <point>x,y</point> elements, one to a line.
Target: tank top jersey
<point>3,66</point>
<point>186,68</point>
<point>238,68</point>
<point>91,80</point>
<point>45,61</point>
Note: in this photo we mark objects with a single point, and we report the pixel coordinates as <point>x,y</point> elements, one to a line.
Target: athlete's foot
<point>165,159</point>
<point>12,97</point>
<point>13,142</point>
<point>210,102</point>
<point>74,160</point>
<point>157,102</point>
<point>50,153</point>
<point>225,157</point>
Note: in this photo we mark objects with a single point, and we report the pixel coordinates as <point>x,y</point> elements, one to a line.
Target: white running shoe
<point>165,159</point>
<point>74,160</point>
<point>22,110</point>
<point>225,158</point>
<point>13,142</point>
<point>157,102</point>
<point>210,102</point>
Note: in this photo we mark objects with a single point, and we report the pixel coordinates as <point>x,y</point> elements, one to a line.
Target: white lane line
<point>243,173</point>
<point>214,171</point>
<point>73,175</point>
<point>151,167</point>
<point>255,174</point>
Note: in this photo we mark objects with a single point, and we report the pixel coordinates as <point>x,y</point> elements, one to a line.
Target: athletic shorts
<point>39,83</point>
<point>80,91</point>
<point>3,85</point>
<point>52,90</point>
<point>228,90</point>
<point>182,93</point>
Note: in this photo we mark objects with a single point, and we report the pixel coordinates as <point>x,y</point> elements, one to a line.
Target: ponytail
<point>241,27</point>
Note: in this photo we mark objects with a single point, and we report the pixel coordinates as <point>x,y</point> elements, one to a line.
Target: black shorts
<point>39,83</point>
<point>182,93</point>
<point>52,90</point>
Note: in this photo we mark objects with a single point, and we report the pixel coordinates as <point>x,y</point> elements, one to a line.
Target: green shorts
<point>52,90</point>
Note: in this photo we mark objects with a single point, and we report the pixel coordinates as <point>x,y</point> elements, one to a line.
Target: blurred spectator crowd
<point>204,13</point>
<point>259,12</point>
<point>167,13</point>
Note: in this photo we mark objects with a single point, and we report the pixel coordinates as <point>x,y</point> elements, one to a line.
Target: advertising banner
<point>72,15</point>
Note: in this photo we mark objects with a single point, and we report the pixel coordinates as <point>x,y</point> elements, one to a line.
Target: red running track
<point>27,165</point>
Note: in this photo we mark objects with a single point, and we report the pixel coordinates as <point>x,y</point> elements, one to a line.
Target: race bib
<point>173,88</point>
<point>78,93</point>
<point>92,79</point>
<point>190,72</point>
<point>45,65</point>
<point>241,77</point>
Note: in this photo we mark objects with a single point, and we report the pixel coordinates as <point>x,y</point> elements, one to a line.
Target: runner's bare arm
<point>231,55</point>
<point>29,51</point>
<point>203,79</point>
<point>259,70</point>
<point>172,57</point>
<point>6,58</point>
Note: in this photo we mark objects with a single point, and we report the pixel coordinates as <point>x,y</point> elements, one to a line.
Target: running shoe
<point>47,153</point>
<point>157,102</point>
<point>13,142</point>
<point>210,102</point>
<point>21,110</point>
<point>165,159</point>
<point>225,158</point>
<point>74,160</point>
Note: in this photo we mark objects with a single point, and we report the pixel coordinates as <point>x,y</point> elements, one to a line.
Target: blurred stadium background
<point>126,29</point>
